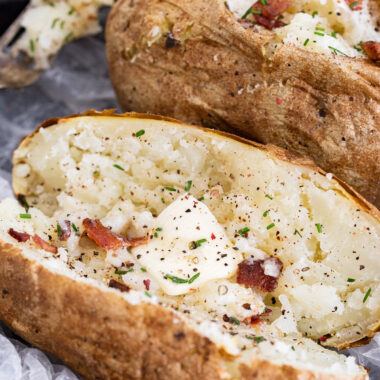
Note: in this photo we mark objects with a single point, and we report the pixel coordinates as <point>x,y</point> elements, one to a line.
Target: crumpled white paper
<point>77,81</point>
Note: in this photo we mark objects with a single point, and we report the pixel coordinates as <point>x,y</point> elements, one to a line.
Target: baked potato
<point>143,248</point>
<point>295,73</point>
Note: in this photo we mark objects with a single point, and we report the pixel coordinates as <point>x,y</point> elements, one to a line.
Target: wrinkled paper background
<point>77,81</point>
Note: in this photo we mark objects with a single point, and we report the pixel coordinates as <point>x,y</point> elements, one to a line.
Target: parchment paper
<point>77,81</point>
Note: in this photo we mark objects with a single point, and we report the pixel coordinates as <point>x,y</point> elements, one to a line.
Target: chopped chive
<point>200,242</point>
<point>333,34</point>
<point>256,12</point>
<point>170,188</point>
<point>201,199</point>
<point>319,227</point>
<point>148,294</point>
<point>54,22</point>
<point>350,280</point>
<point>75,228</point>
<point>25,216</point>
<point>96,173</point>
<point>68,36</point>
<point>354,4</point>
<point>270,226</point>
<point>59,230</point>
<point>22,200</point>
<point>120,209</point>
<point>293,348</point>
<point>192,279</point>
<point>297,232</point>
<point>188,185</point>
<point>306,42</point>
<point>123,271</point>
<point>268,196</point>
<point>249,337</point>
<point>177,280</point>
<point>31,44</point>
<point>140,132</point>
<point>246,13</point>
<point>319,28</point>
<point>162,200</point>
<point>258,339</point>
<point>71,11</point>
<point>118,167</point>
<point>52,4</point>
<point>143,270</point>
<point>314,14</point>
<point>264,2</point>
<point>367,295</point>
<point>159,229</point>
<point>62,24</point>
<point>155,235</point>
<point>266,212</point>
<point>335,50</point>
<point>235,321</point>
<point>319,33</point>
<point>243,232</point>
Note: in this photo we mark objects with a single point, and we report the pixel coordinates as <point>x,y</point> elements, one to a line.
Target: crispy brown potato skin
<point>321,106</point>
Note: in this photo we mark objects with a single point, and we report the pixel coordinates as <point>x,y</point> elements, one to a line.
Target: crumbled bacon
<point>146,284</point>
<point>251,273</point>
<point>21,237</point>
<point>372,49</point>
<point>118,285</point>
<point>355,5</point>
<point>256,319</point>
<point>107,239</point>
<point>65,230</point>
<point>269,13</point>
<point>44,244</point>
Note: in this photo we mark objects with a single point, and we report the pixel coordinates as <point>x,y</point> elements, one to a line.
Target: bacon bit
<point>215,193</point>
<point>323,338</point>
<point>251,273</point>
<point>118,285</point>
<point>21,237</point>
<point>44,244</point>
<point>372,49</point>
<point>357,7</point>
<point>278,101</point>
<point>256,319</point>
<point>268,16</point>
<point>107,239</point>
<point>213,237</point>
<point>65,230</point>
<point>147,284</point>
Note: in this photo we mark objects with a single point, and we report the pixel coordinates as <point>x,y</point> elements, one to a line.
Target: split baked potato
<point>300,74</point>
<point>143,248</point>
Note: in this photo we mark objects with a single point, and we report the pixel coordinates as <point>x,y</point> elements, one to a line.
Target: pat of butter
<point>188,247</point>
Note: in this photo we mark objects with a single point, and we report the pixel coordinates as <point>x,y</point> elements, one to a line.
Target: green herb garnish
<point>243,232</point>
<point>319,28</point>
<point>268,196</point>
<point>293,348</point>
<point>177,280</point>
<point>148,294</point>
<point>297,232</point>
<point>75,228</point>
<point>354,4</point>
<point>158,229</point>
<point>335,50</point>
<point>201,199</point>
<point>319,34</point>
<point>68,36</point>
<point>31,45</point>
<point>333,34</point>
<point>249,10</point>
<point>351,280</point>
<point>23,202</point>
<point>188,185</point>
<point>270,226</point>
<point>140,132</point>
<point>235,320</point>
<point>118,167</point>
<point>170,188</point>
<point>59,230</point>
<point>25,216</point>
<point>264,2</point>
<point>266,212</point>
<point>162,200</point>
<point>192,279</point>
<point>54,22</point>
<point>314,14</point>
<point>71,11</point>
<point>258,339</point>
<point>143,270</point>
<point>367,295</point>
<point>123,271</point>
<point>319,227</point>
<point>306,42</point>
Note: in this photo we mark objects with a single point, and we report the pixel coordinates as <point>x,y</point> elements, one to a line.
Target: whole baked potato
<point>143,248</point>
<point>295,73</point>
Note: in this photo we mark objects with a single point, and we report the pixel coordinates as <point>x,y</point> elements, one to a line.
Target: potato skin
<point>211,70</point>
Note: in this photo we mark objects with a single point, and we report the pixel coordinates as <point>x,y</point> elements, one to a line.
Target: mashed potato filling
<point>206,203</point>
<point>322,26</point>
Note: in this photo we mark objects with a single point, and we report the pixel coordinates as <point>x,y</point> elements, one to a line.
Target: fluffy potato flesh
<point>128,171</point>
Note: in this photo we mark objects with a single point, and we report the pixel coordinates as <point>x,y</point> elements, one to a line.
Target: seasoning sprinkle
<point>118,167</point>
<point>367,295</point>
<point>270,226</point>
<point>192,279</point>
<point>140,132</point>
<point>188,185</point>
<point>25,216</point>
<point>177,280</point>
